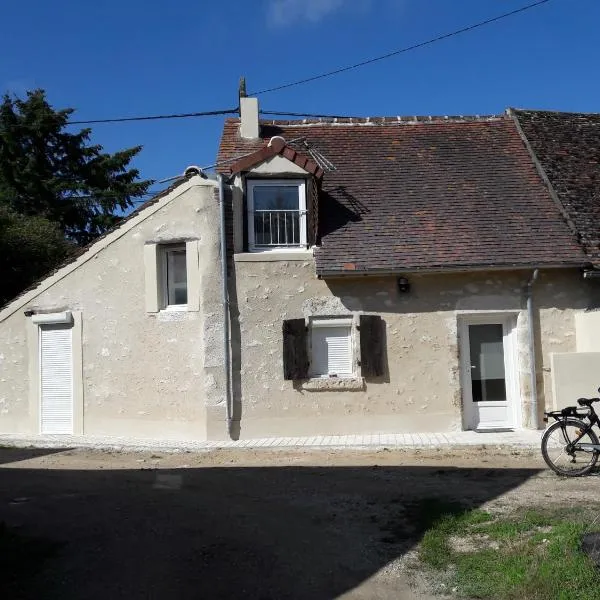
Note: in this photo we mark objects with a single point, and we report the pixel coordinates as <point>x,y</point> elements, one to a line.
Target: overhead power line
<point>402,50</point>
<point>231,111</point>
<point>209,113</point>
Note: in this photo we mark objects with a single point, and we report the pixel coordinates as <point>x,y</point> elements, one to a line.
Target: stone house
<point>126,339</point>
<point>339,276</point>
<point>410,274</point>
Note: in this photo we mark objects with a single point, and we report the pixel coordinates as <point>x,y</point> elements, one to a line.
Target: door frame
<point>511,371</point>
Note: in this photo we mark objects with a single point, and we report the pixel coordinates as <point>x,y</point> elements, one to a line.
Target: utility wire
<point>209,113</point>
<point>402,50</point>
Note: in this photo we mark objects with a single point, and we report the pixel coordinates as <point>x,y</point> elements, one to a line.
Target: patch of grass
<point>441,520</point>
<point>533,555</point>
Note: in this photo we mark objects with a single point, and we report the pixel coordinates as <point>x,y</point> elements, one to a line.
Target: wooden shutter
<point>245,220</point>
<point>295,351</point>
<point>312,208</point>
<point>56,379</point>
<point>372,345</point>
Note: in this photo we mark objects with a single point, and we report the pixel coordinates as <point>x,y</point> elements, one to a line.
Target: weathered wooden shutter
<point>372,345</point>
<point>295,351</point>
<point>312,207</point>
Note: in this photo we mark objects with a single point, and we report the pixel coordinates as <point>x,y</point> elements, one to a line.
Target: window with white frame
<point>331,348</point>
<point>174,276</point>
<point>276,214</point>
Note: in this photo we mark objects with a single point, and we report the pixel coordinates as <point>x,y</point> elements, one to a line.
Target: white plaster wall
<point>14,388</point>
<point>587,325</point>
<point>278,165</point>
<point>575,375</point>
<point>422,392</point>
<point>144,375</point>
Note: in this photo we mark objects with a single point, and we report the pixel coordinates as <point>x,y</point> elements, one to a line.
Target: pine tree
<point>30,247</point>
<point>69,188</point>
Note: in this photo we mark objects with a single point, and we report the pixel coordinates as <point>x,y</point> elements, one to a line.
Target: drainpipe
<point>225,296</point>
<point>532,359</point>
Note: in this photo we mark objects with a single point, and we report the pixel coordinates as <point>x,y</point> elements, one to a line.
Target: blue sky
<point>114,58</point>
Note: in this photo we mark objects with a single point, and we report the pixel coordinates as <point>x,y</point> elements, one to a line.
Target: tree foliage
<point>57,189</point>
<point>29,248</point>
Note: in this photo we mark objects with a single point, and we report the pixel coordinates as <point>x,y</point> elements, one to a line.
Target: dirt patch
<point>472,543</point>
<point>255,523</point>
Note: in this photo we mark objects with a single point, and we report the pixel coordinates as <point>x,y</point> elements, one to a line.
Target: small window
<point>174,277</point>
<point>327,348</point>
<point>276,214</point>
<point>331,348</point>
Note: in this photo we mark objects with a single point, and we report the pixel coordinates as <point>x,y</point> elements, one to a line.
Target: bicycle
<point>570,439</point>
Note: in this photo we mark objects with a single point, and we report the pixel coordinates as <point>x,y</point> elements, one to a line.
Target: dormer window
<point>276,214</point>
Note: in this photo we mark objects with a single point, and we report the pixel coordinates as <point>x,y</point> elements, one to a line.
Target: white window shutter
<point>56,379</point>
<point>331,351</point>
<point>339,356</point>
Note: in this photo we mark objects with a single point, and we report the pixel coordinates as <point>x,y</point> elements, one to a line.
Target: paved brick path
<point>525,439</point>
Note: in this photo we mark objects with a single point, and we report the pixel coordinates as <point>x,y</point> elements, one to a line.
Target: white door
<point>489,391</point>
<point>56,379</point>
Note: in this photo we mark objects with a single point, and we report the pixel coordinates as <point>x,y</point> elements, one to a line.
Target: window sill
<point>316,384</point>
<point>175,308</point>
<point>273,256</point>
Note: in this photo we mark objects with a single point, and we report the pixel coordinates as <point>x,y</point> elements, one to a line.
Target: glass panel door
<point>488,378</point>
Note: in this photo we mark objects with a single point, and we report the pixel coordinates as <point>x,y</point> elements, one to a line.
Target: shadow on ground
<point>12,455</point>
<point>265,533</point>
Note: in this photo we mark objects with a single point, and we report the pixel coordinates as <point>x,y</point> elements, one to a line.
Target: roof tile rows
<point>426,194</point>
<point>567,145</point>
<point>276,146</point>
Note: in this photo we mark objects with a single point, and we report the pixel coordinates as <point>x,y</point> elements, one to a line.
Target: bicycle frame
<point>562,415</point>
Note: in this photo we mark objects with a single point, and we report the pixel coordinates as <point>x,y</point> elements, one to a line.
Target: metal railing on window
<point>277,227</point>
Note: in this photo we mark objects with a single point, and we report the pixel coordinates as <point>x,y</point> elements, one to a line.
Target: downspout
<point>532,358</point>
<point>225,298</point>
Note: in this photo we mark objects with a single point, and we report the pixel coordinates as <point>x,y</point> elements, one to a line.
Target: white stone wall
<point>422,391</point>
<point>144,374</point>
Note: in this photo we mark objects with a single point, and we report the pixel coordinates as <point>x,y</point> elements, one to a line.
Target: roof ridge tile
<point>385,120</point>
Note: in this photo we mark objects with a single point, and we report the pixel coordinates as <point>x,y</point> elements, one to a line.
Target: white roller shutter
<point>56,378</point>
<point>331,351</point>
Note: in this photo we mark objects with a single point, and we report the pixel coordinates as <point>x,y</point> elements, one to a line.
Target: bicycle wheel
<point>562,459</point>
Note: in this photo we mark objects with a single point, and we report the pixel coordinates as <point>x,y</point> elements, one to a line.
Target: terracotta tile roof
<point>567,146</point>
<point>425,193</point>
<point>275,147</point>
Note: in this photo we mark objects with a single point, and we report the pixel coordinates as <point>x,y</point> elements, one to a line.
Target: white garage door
<point>56,378</point>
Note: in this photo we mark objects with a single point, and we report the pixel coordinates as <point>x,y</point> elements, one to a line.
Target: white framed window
<point>331,348</point>
<point>174,277</point>
<point>276,214</point>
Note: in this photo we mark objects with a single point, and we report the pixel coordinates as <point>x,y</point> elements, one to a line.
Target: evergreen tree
<point>56,188</point>
<point>30,247</point>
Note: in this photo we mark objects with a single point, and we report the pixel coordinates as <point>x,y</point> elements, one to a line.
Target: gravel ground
<point>264,524</point>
